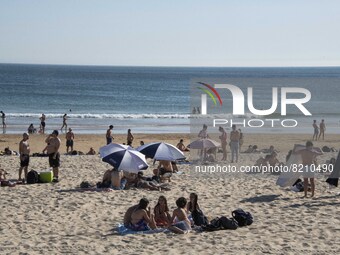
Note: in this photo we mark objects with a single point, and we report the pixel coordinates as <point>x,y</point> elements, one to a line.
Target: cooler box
<point>46,177</point>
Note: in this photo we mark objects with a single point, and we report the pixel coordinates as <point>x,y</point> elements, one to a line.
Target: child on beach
<point>183,224</point>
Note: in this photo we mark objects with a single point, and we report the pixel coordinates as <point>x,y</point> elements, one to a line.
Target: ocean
<point>145,99</point>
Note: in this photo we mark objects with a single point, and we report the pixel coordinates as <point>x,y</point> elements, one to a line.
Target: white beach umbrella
<point>201,144</point>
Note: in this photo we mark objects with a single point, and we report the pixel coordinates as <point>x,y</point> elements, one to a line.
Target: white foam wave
<point>101,116</point>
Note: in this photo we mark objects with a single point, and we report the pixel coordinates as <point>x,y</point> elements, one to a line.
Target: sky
<point>171,33</point>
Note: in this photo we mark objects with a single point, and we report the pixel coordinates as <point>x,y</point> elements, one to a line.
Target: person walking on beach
<point>129,138</point>
<point>42,124</point>
<point>3,118</point>
<point>24,150</point>
<point>64,123</point>
<point>308,156</point>
<point>316,130</point>
<point>69,140</point>
<point>109,137</point>
<point>53,145</point>
<point>223,138</point>
<point>322,129</point>
<point>234,144</point>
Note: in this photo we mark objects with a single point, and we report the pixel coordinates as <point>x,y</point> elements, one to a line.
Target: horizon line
<point>171,66</point>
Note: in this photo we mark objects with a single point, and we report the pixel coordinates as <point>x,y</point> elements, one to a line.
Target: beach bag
<point>326,149</point>
<point>32,177</point>
<point>199,218</point>
<point>243,218</point>
<point>220,223</point>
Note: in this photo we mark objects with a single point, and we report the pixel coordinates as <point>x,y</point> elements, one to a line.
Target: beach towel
<point>122,230</point>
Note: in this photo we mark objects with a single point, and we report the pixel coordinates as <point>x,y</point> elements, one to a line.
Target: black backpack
<point>243,218</point>
<point>32,177</point>
<point>199,218</point>
<point>220,223</point>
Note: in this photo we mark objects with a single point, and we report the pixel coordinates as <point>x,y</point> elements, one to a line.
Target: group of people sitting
<point>119,180</point>
<point>140,217</point>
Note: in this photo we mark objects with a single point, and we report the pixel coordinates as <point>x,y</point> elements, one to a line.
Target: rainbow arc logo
<point>211,91</point>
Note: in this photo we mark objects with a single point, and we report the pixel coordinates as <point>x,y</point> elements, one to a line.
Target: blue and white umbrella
<point>123,157</point>
<point>161,151</point>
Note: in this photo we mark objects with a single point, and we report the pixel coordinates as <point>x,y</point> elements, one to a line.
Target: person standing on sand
<point>3,118</point>
<point>234,144</point>
<point>316,130</point>
<point>53,145</point>
<point>308,156</point>
<point>322,129</point>
<point>129,138</point>
<point>109,137</point>
<point>223,138</point>
<point>241,138</point>
<point>42,124</point>
<point>24,150</point>
<point>64,123</point>
<point>69,140</point>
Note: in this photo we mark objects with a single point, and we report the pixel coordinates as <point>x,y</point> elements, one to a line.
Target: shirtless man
<point>181,146</point>
<point>109,135</point>
<point>164,166</point>
<point>234,144</point>
<point>52,148</point>
<point>183,225</point>
<point>308,156</point>
<point>139,217</point>
<point>322,129</point>
<point>64,123</point>
<point>316,130</point>
<point>42,123</point>
<point>24,150</point>
<point>69,140</point>
<point>129,138</point>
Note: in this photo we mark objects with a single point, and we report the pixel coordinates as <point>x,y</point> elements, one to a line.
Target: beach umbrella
<point>123,157</point>
<point>161,151</point>
<point>204,143</point>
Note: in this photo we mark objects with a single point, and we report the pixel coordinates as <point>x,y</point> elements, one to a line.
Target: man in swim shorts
<point>53,145</point>
<point>24,150</point>
<point>69,140</point>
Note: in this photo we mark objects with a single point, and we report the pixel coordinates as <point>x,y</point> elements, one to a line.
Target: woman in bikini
<point>161,211</point>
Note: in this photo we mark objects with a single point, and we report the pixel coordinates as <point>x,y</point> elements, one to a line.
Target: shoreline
<point>82,142</point>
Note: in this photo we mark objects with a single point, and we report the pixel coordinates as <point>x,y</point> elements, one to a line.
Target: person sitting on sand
<point>181,146</point>
<point>91,152</point>
<point>139,217</point>
<point>141,143</point>
<point>31,129</point>
<point>3,174</point>
<point>115,179</point>
<point>308,156</point>
<point>272,161</point>
<point>193,204</point>
<point>262,161</point>
<point>142,183</point>
<point>161,211</point>
<point>183,224</point>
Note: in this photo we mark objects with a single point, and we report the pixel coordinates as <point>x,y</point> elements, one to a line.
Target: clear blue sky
<point>171,33</point>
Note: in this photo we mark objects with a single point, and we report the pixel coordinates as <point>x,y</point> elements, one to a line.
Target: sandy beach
<point>59,218</point>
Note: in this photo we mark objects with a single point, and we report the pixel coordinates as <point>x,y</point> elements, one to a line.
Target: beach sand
<point>58,218</point>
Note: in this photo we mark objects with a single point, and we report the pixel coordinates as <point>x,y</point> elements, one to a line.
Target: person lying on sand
<point>139,217</point>
<point>161,211</point>
<point>183,224</point>
<point>270,150</point>
<point>142,183</point>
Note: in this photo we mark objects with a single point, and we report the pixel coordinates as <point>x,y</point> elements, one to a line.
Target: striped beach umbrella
<point>161,151</point>
<point>123,157</point>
